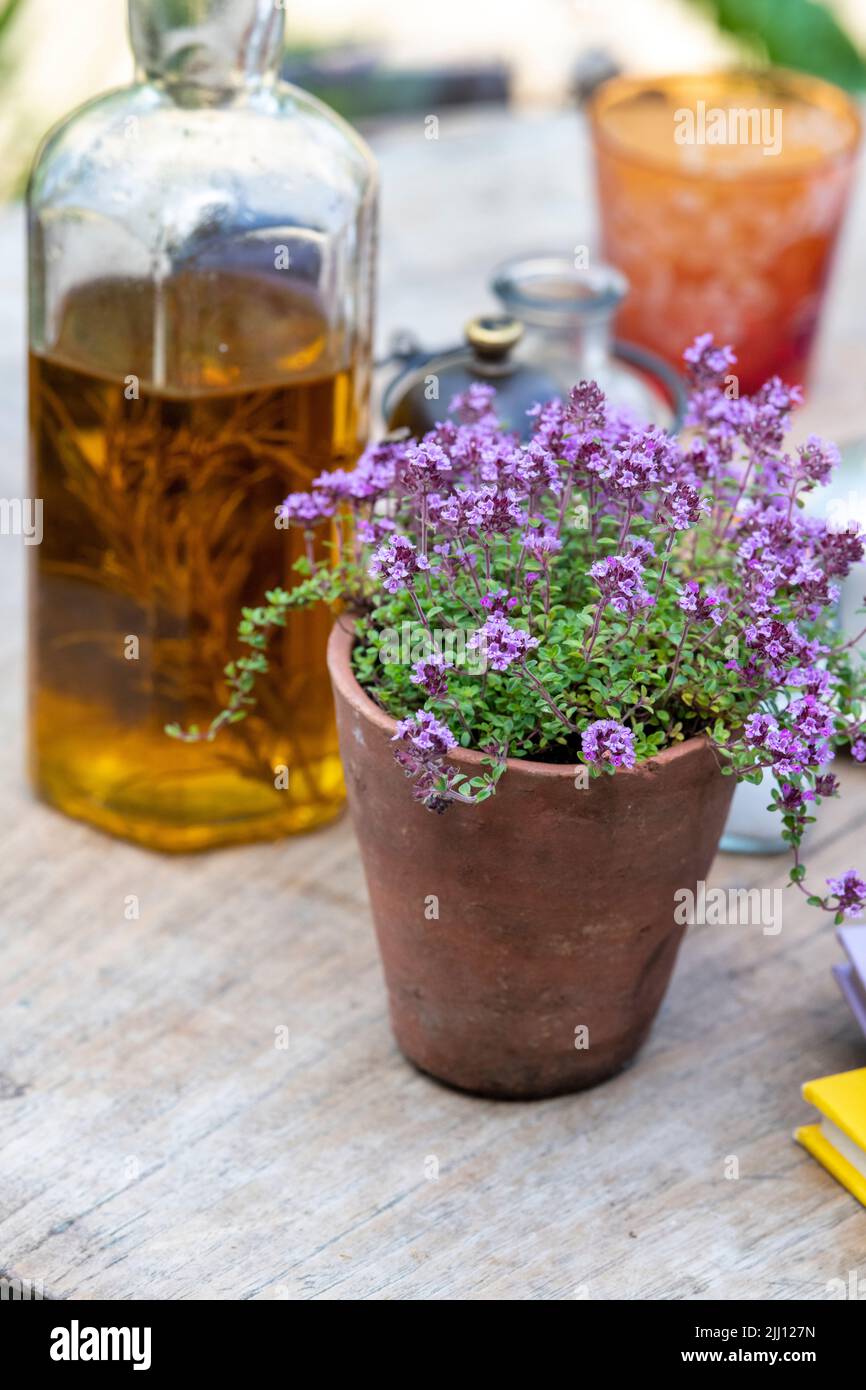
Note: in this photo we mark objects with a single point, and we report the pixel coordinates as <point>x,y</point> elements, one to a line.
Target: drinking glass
<point>721,198</point>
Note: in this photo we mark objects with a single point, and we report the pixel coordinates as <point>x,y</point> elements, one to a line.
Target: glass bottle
<point>201,272</point>
<point>567,314</point>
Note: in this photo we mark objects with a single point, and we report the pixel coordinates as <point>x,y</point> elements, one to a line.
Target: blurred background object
<point>505,83</point>
<point>384,56</point>
<point>567,307</point>
<point>555,330</point>
<point>354,81</point>
<point>721,197</point>
<point>801,34</point>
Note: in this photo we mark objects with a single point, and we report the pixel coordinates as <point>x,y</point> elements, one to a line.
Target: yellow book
<point>838,1141</point>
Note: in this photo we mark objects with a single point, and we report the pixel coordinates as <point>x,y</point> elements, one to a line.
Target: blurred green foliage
<point>8,11</point>
<point>800,34</point>
<point>14,173</point>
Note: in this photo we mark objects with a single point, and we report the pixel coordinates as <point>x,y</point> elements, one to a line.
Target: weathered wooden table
<point>154,1142</point>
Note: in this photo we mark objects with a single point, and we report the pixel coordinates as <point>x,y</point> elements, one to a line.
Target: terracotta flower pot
<point>527,942</point>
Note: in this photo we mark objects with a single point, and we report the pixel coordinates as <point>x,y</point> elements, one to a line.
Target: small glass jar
<point>567,314</point>
<point>201,272</point>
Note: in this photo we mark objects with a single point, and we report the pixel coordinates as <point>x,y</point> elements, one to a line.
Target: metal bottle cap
<point>492,336</point>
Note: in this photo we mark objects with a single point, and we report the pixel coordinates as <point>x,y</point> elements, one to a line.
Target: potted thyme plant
<point>571,649</point>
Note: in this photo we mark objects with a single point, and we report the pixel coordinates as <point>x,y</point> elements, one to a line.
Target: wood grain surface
<point>157,1140</point>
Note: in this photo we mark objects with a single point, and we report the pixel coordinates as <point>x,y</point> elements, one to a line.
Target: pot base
<point>507,1094</point>
<point>517,1078</point>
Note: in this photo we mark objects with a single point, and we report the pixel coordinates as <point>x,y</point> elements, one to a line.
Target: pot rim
<point>340,644</point>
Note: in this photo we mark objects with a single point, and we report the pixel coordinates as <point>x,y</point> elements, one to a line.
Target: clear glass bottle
<point>567,314</point>
<point>201,275</point>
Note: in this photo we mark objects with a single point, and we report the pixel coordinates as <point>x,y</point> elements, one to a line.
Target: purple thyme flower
<point>542,542</point>
<point>605,741</point>
<point>495,460</point>
<point>424,742</point>
<point>777,645</point>
<point>793,751</point>
<point>586,406</point>
<point>812,591</point>
<point>425,466</point>
<point>708,364</point>
<point>425,733</point>
<point>335,484</point>
<point>839,550</point>
<point>375,531</point>
<point>643,549</point>
<point>811,718</point>
<point>620,582</point>
<point>757,728</point>
<point>307,508</point>
<point>633,467</point>
<point>765,415</point>
<point>826,784</point>
<point>375,474</point>
<point>850,893</point>
<point>376,471</point>
<point>858,750</point>
<point>485,511</point>
<point>535,467</point>
<point>812,680</point>
<point>685,505</point>
<point>431,673</point>
<point>500,643</point>
<point>475,404</point>
<point>499,602</point>
<point>554,434</point>
<point>701,607</point>
<point>397,562</point>
<point>791,755</point>
<point>817,461</point>
<point>792,798</point>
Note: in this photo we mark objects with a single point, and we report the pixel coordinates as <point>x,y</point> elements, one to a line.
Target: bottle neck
<point>201,46</point>
<point>568,306</point>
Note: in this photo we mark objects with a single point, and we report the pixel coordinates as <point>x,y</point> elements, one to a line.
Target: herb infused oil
<point>159,505</point>
<point>201,247</point>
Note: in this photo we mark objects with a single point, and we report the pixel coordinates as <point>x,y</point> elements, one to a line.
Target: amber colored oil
<point>158,525</point>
